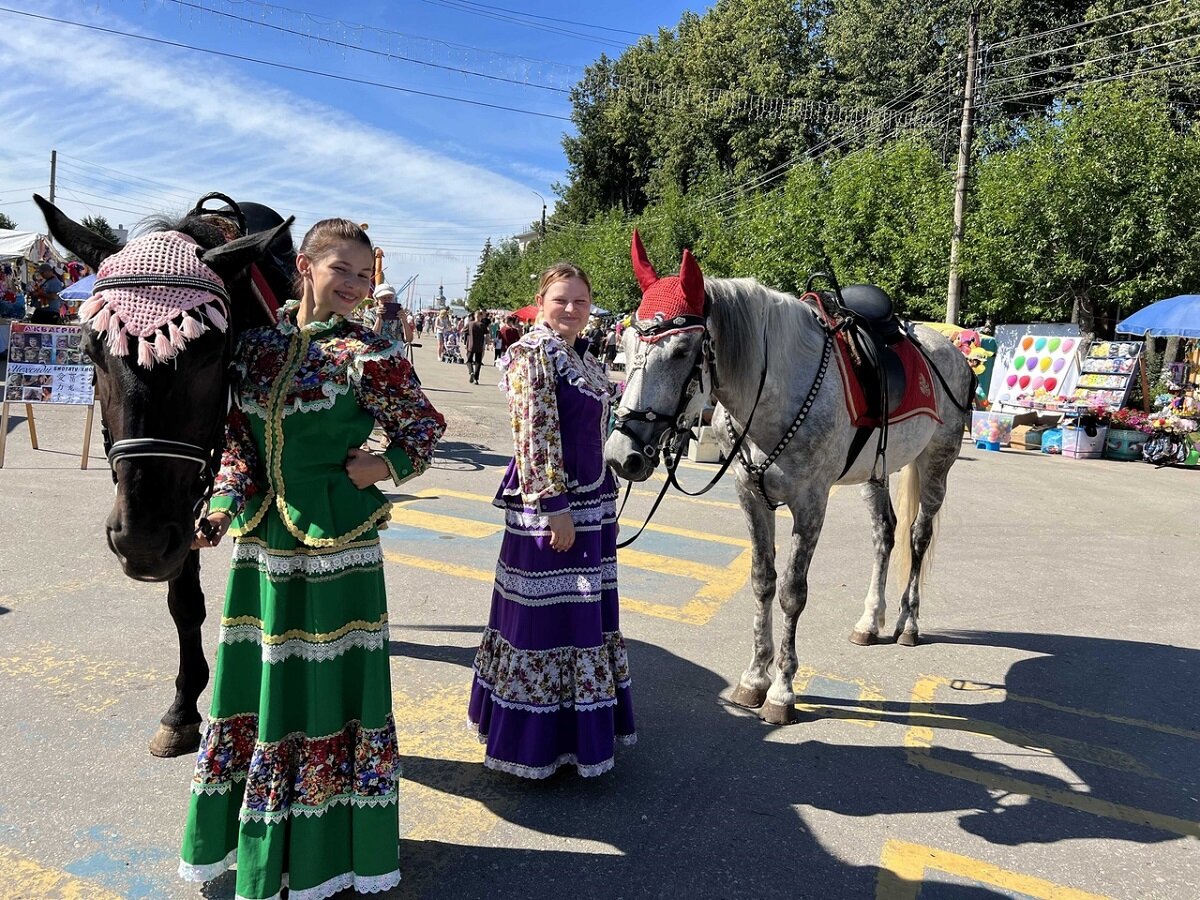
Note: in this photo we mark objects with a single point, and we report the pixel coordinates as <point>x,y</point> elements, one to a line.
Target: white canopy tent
<point>29,248</point>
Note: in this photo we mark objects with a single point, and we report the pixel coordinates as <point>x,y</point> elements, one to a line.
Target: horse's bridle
<point>669,428</point>
<point>676,427</point>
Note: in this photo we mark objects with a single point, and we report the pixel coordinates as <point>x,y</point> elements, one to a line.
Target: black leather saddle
<point>873,330</point>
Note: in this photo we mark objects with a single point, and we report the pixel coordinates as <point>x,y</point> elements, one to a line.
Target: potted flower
<point>1127,431</point>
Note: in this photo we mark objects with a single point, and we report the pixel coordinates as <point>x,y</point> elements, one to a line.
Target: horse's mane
<point>745,315</point>
<point>206,234</point>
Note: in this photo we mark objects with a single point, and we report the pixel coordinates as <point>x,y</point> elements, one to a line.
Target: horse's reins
<point>677,427</point>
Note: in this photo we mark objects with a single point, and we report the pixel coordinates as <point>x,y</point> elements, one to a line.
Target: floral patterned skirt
<point>551,685</point>
<point>296,779</point>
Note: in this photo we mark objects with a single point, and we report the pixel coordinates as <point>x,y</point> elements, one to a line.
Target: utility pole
<point>53,172</point>
<point>965,134</point>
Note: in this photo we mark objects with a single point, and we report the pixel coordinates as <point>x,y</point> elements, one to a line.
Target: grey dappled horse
<point>751,326</point>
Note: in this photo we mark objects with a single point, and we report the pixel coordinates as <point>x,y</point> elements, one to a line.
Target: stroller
<point>451,351</point>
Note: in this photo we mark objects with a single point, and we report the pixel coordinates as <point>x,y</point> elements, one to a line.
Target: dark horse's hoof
<point>907,638</point>
<point>751,698</point>
<point>170,742</point>
<point>863,638</point>
<point>777,713</point>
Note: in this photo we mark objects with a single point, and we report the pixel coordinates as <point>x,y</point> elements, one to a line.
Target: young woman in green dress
<point>296,779</point>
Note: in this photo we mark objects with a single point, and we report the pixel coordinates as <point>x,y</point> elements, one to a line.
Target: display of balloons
<point>1011,380</point>
<point>1053,345</point>
<point>1067,345</point>
<point>1045,364</point>
<point>1051,383</point>
<point>1039,344</point>
<point>1024,382</point>
<point>1019,362</point>
<point>1059,363</point>
<point>1031,363</point>
<point>1027,343</point>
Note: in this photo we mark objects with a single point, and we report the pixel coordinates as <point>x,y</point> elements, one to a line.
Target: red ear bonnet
<point>670,297</point>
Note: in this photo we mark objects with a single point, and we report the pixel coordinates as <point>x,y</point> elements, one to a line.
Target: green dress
<point>296,778</point>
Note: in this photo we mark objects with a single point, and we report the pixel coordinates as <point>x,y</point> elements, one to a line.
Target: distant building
<point>525,238</point>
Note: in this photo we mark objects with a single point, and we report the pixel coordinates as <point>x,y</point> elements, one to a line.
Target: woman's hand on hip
<point>366,468</point>
<point>562,531</point>
<point>210,530</point>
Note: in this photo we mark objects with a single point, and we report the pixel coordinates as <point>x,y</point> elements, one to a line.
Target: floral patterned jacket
<point>304,395</point>
<point>533,368</point>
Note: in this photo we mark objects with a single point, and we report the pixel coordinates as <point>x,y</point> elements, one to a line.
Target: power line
<point>552,19</point>
<point>1086,23</point>
<point>498,17</point>
<point>1092,40</point>
<point>1089,61</point>
<point>284,66</point>
<point>1076,85</point>
<point>267,9</point>
<point>384,53</point>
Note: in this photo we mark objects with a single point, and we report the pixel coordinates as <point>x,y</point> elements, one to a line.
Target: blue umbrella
<point>80,290</point>
<point>1176,317</point>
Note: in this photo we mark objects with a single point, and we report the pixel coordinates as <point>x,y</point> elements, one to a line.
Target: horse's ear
<point>228,260</point>
<point>645,273</point>
<point>83,242</point>
<point>691,278</point>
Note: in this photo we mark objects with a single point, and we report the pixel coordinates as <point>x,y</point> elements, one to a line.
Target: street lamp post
<point>543,199</point>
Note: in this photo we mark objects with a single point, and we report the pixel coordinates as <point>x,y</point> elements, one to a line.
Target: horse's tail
<point>908,503</point>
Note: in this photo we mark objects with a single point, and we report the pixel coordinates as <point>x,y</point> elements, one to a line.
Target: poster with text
<point>47,365</point>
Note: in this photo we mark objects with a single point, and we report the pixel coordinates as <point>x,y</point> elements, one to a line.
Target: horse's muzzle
<point>148,555</point>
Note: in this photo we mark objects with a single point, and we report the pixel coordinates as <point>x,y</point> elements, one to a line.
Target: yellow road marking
<point>93,686</point>
<point>24,879</point>
<point>903,867</point>
<point>697,611</point>
<point>918,744</point>
<point>471,528</point>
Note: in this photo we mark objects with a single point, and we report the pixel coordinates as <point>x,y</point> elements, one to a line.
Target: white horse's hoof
<point>751,698</point>
<point>777,713</point>
<point>863,638</point>
<point>907,638</point>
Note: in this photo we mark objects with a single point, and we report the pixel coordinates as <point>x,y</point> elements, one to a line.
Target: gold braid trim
<point>252,523</point>
<point>273,438</point>
<point>309,636</point>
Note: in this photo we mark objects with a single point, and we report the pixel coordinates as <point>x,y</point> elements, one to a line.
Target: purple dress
<point>551,678</point>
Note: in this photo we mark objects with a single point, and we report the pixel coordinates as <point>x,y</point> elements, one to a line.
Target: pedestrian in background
<point>476,340</point>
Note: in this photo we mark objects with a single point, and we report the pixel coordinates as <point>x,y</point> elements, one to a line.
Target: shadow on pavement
<point>710,804</point>
<point>462,456</point>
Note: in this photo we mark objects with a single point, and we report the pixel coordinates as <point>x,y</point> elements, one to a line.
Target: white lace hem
<point>362,884</point>
<point>249,815</point>
<point>189,872</point>
<point>310,565</point>
<point>587,771</point>
<point>549,707</point>
<point>220,787</point>
<point>308,650</point>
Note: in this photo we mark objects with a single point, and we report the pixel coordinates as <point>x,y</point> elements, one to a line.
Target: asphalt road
<point>1043,742</point>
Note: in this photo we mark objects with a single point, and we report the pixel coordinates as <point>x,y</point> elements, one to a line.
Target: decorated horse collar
<point>158,290</point>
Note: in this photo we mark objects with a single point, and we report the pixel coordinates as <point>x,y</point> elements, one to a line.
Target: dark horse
<point>163,424</point>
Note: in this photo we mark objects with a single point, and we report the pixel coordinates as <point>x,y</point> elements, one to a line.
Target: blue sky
<point>143,127</point>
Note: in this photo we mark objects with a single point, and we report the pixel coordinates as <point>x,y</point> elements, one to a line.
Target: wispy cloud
<point>175,124</point>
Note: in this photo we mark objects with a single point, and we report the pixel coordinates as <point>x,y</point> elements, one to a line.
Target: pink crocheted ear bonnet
<point>674,300</point>
<point>156,289</point>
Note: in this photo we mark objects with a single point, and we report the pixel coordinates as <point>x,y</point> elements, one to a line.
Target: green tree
<point>6,222</point>
<point>100,226</point>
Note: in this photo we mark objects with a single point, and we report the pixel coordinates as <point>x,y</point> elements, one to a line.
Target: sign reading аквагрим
<point>46,365</point>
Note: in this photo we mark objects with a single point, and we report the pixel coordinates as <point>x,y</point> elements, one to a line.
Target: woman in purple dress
<point>551,684</point>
